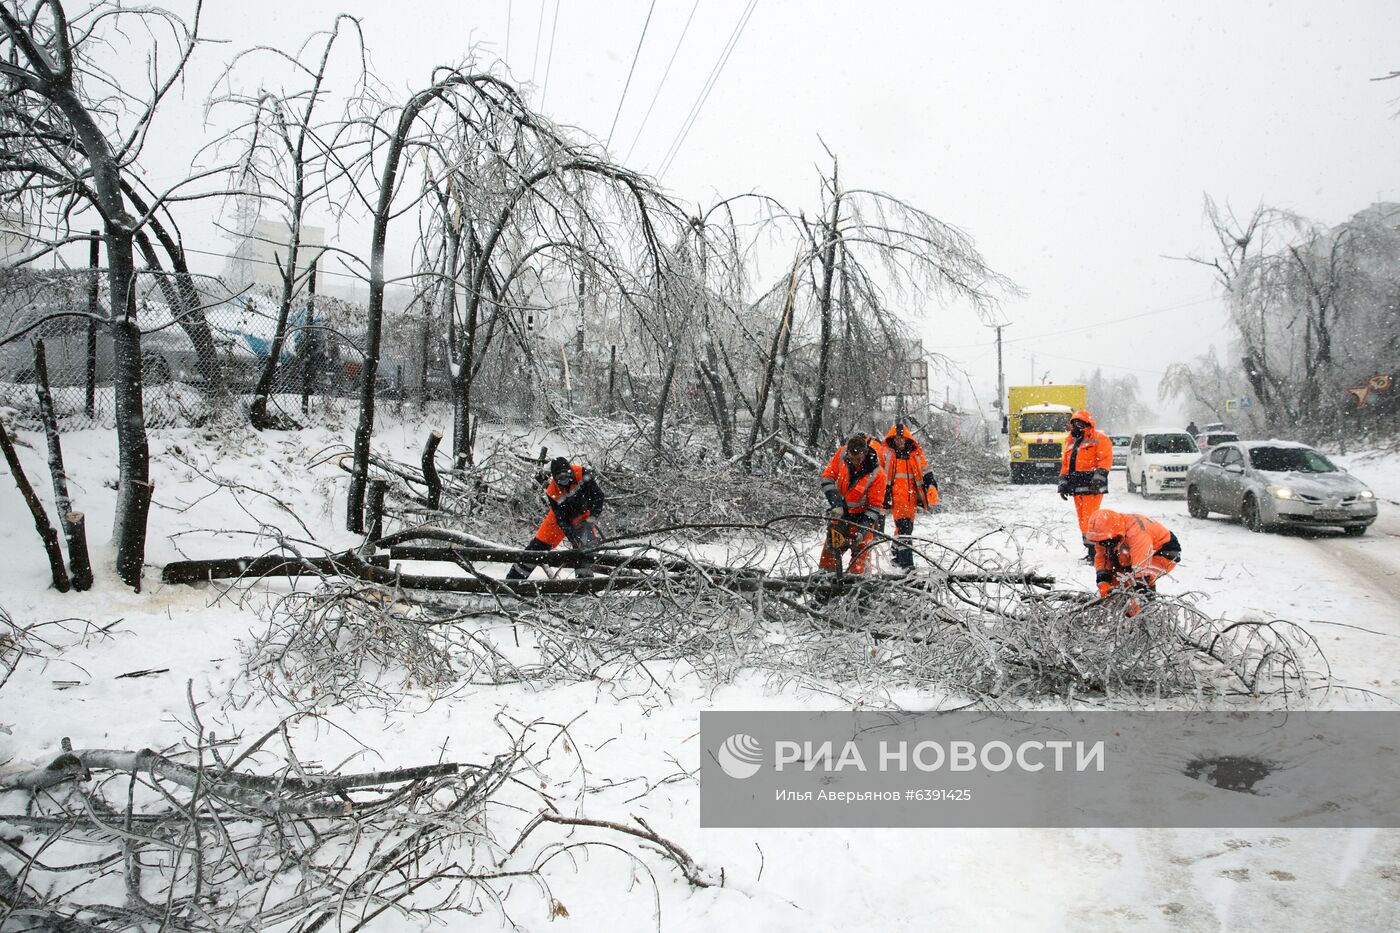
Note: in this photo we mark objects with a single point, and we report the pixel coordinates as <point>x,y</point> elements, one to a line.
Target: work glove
<point>1099,483</point>
<point>1063,488</point>
<point>835,512</point>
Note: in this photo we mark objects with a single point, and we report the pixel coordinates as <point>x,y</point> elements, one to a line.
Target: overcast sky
<point>1074,141</point>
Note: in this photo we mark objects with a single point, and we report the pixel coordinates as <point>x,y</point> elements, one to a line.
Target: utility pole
<point>1001,375</point>
<point>1000,404</point>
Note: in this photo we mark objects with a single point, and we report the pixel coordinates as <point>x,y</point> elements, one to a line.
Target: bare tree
<point>72,134</point>
<point>865,269</point>
<point>1302,302</point>
<point>1114,400</point>
<point>294,159</point>
<point>516,195</point>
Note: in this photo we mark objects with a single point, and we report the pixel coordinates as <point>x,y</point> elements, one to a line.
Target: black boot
<point>522,570</point>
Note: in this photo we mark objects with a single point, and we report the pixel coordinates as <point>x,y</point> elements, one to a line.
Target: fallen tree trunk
<point>628,571</point>
<point>351,565</point>
<point>409,552</point>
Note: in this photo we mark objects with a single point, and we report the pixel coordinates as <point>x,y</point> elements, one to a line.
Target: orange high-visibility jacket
<point>1092,451</point>
<point>904,478</point>
<point>1136,538</point>
<point>863,491</point>
<point>583,499</point>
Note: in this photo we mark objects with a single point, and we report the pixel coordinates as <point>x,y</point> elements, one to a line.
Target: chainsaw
<point>839,540</point>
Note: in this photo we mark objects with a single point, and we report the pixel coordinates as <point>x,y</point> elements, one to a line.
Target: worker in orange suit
<point>1131,552</point>
<point>909,486</point>
<point>574,499</point>
<point>1088,456</point>
<point>854,486</point>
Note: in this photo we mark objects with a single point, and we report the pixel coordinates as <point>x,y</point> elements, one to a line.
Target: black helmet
<point>561,469</point>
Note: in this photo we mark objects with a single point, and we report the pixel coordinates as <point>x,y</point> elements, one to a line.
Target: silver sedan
<point>1274,484</point>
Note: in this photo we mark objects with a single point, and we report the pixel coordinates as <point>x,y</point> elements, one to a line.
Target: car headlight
<point>1154,468</point>
<point>1281,492</point>
<point>1016,454</point>
<point>1365,494</point>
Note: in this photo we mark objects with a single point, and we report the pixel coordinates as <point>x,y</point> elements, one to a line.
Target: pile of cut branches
<point>428,607</point>
<point>187,839</point>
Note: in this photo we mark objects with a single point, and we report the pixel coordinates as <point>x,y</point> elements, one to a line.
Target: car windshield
<point>1290,459</point>
<point>1121,440</point>
<point>1169,444</point>
<point>1213,439</point>
<point>1045,422</point>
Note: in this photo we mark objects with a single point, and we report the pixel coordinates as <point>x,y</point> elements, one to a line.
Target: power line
<point>709,86</point>
<point>635,56</point>
<point>1096,324</point>
<point>694,110</point>
<point>535,62</point>
<point>1097,363</point>
<point>549,60</point>
<point>627,158</point>
<point>510,12</point>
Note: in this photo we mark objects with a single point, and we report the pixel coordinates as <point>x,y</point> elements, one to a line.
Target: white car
<point>1120,449</point>
<point>1158,461</point>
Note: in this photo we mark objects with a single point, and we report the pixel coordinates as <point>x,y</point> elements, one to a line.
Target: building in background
<point>259,255</point>
<point>14,238</point>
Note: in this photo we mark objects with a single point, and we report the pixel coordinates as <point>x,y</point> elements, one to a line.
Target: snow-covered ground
<point>635,744</point>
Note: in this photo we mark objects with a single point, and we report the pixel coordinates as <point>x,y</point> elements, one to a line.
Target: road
<point>1344,591</point>
<point>1372,561</point>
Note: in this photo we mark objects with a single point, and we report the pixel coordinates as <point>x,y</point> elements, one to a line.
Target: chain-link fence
<point>207,347</point>
<point>210,351</point>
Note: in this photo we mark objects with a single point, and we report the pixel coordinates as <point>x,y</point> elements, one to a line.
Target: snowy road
<point>1323,580</point>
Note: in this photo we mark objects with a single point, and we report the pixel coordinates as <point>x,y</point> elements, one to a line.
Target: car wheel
<point>1195,507</point>
<point>1142,487</point>
<point>1128,475</point>
<point>1253,520</point>
<point>1355,531</point>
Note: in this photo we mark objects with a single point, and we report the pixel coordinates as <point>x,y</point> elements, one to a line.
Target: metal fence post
<point>311,343</point>
<point>94,245</point>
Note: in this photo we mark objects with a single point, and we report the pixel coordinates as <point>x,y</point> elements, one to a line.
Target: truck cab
<point>1037,425</point>
<point>1037,442</point>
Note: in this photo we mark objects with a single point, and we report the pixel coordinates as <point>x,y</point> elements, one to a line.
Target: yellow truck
<point>1037,423</point>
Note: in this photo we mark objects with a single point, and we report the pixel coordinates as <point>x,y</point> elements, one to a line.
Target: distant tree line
<point>1314,311</point>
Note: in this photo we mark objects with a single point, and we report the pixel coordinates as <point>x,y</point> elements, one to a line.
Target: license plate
<point>1173,482</point>
<point>1330,514</point>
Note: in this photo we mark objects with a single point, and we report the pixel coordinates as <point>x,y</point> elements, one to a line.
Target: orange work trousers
<point>858,551</point>
<point>550,531</point>
<point>1085,506</point>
